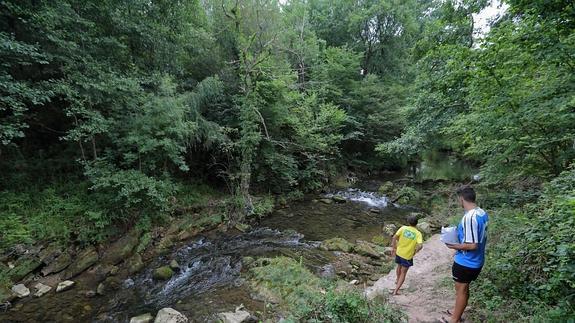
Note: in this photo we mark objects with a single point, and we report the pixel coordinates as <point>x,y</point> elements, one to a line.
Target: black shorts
<point>462,274</point>
<point>403,262</point>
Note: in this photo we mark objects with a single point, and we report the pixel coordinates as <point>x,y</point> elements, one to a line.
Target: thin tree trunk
<point>95,154</point>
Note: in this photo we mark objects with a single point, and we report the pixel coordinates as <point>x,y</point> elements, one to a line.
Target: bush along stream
<point>309,259</point>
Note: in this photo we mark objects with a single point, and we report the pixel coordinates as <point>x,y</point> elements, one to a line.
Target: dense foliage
<point>139,99</point>
<point>505,100</point>
<point>529,269</point>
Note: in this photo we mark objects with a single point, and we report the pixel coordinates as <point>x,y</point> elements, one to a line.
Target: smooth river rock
<point>20,290</point>
<point>238,316</point>
<point>65,285</point>
<point>41,289</point>
<point>170,315</point>
<point>144,318</point>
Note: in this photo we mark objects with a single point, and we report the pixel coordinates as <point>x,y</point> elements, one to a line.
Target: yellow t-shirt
<point>409,237</point>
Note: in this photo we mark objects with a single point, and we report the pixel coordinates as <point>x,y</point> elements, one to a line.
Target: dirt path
<point>428,287</point>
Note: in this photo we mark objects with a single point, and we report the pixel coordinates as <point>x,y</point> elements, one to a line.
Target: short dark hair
<point>467,193</point>
<point>412,220</point>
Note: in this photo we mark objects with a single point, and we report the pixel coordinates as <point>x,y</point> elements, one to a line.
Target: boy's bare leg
<point>397,273</point>
<point>403,273</point>
<point>461,298</point>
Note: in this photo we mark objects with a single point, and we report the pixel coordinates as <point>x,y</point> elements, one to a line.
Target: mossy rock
<point>339,199</point>
<point>386,188</point>
<point>424,228</point>
<point>6,295</point>
<point>163,273</point>
<point>112,283</point>
<point>380,241</point>
<point>248,261</point>
<point>341,182</point>
<point>24,266</point>
<point>390,229</point>
<point>84,260</point>
<point>364,248</point>
<point>122,248</point>
<point>165,244</point>
<point>49,254</point>
<point>145,241</point>
<point>326,201</point>
<point>337,244</point>
<point>61,263</point>
<point>134,264</point>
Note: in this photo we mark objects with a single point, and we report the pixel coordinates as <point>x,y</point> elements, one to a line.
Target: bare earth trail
<point>428,288</point>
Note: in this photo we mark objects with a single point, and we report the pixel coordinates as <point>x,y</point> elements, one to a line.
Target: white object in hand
<point>449,235</point>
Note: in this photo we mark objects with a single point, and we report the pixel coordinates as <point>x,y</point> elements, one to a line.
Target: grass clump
<point>304,297</point>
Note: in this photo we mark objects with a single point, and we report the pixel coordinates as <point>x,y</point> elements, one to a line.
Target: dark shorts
<point>462,274</point>
<point>403,262</point>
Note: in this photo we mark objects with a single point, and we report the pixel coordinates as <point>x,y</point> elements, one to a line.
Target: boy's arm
<point>394,244</point>
<point>418,247</point>
<point>462,246</point>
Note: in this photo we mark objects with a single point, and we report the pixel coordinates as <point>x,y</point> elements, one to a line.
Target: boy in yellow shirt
<point>405,243</point>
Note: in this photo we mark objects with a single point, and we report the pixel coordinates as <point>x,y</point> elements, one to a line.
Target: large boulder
<point>57,265</point>
<point>121,249</point>
<point>84,260</point>
<point>336,244</point>
<point>365,248</point>
<point>144,318</point>
<point>170,315</point>
<point>163,273</point>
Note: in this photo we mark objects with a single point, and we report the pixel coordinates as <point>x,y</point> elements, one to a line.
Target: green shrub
<point>130,192</point>
<point>263,205</point>
<point>408,195</point>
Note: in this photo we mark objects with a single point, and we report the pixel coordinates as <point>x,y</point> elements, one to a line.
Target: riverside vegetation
<point>130,116</point>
